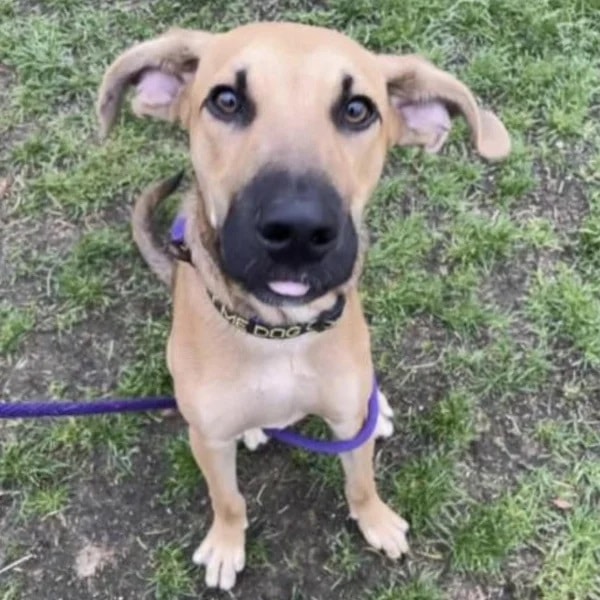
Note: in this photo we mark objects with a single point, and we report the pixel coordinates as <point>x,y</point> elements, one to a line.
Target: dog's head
<point>289,126</point>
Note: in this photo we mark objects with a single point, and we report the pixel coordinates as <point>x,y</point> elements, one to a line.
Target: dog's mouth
<point>289,289</point>
<point>285,290</point>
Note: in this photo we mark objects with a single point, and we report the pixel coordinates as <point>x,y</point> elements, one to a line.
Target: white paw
<point>385,422</point>
<point>383,528</point>
<point>222,553</point>
<point>254,438</point>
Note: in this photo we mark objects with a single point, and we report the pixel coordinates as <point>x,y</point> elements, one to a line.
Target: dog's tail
<point>160,263</point>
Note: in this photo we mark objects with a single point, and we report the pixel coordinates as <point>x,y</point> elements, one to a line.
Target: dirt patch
<point>91,559</point>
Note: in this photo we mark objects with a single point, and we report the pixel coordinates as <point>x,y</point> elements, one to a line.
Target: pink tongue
<point>289,288</point>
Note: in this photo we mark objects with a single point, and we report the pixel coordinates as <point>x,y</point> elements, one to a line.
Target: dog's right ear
<point>160,69</point>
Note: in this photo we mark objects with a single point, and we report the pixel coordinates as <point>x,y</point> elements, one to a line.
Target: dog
<point>289,127</point>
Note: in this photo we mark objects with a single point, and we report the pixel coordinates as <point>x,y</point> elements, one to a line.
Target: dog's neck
<point>204,249</point>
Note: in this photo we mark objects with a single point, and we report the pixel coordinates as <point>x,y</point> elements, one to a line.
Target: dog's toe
<point>383,528</point>
<point>254,438</point>
<point>222,553</point>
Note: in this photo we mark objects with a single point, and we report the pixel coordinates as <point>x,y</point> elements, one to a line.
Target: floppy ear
<point>423,98</point>
<point>160,69</point>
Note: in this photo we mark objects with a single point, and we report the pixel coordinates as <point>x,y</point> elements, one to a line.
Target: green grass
<point>172,577</point>
<point>185,477</point>
<point>481,290</point>
<point>423,488</point>
<point>418,589</point>
<point>15,322</point>
<point>567,305</point>
<point>84,277</point>
<point>40,457</point>
<point>10,591</point>
<point>450,423</point>
<point>571,567</point>
<point>345,559</point>
<point>483,540</point>
<point>146,373</point>
<point>45,502</point>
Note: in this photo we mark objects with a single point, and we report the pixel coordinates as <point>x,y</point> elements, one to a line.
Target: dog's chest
<point>281,391</point>
<point>262,391</point>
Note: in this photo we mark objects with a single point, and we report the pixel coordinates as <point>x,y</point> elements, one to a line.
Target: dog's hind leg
<point>254,438</point>
<point>222,551</point>
<point>385,419</point>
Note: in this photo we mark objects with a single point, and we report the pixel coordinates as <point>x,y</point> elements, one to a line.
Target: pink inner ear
<point>430,118</point>
<point>156,88</point>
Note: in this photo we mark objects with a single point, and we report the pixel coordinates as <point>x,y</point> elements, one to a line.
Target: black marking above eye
<point>353,113</point>
<point>231,104</point>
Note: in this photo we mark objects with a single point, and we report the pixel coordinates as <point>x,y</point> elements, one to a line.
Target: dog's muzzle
<point>288,238</point>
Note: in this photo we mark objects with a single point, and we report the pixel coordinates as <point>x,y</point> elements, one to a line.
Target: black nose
<point>302,228</point>
<point>283,226</point>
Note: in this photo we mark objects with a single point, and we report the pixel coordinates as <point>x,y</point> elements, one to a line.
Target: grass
<point>16,322</point>
<point>45,502</point>
<point>450,423</point>
<point>571,568</point>
<point>483,540</point>
<point>481,291</point>
<point>419,589</point>
<point>172,577</point>
<point>567,305</point>
<point>423,488</point>
<point>185,477</point>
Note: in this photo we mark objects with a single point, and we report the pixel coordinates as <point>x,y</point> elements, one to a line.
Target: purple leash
<point>287,436</point>
<point>24,410</point>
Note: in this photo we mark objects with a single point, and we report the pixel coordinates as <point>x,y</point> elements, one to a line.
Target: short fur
<point>229,383</point>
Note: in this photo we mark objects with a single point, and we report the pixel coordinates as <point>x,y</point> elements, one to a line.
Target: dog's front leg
<point>222,550</point>
<point>380,525</point>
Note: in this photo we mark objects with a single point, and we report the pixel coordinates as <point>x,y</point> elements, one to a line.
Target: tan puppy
<point>289,127</point>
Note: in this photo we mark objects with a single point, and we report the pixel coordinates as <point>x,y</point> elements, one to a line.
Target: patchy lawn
<point>482,289</point>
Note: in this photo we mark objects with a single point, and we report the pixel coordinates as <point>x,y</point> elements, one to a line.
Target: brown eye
<point>231,104</point>
<point>358,113</point>
<point>226,101</point>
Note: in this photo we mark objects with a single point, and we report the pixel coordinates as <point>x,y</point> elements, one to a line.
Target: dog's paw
<point>382,528</point>
<point>222,553</point>
<point>385,419</point>
<point>254,438</point>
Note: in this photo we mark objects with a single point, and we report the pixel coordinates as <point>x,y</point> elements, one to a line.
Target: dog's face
<point>289,127</point>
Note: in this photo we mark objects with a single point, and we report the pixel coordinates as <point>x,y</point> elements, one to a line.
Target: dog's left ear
<point>422,98</point>
<point>160,70</point>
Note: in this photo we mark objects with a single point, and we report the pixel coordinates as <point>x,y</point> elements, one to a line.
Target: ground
<point>482,291</point>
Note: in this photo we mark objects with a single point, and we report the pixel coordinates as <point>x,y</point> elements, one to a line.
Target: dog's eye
<point>358,113</point>
<point>224,103</point>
